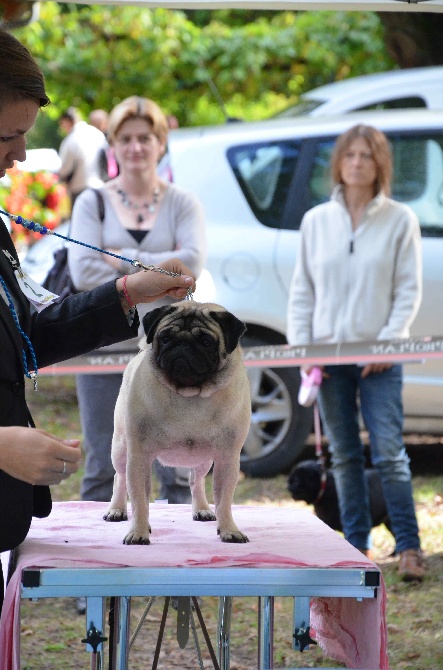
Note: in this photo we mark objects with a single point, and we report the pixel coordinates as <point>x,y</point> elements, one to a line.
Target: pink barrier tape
<point>413,349</point>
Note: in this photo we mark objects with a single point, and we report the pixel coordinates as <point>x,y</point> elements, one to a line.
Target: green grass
<point>51,629</point>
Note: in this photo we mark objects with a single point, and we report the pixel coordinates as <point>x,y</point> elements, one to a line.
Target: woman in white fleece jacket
<point>359,277</point>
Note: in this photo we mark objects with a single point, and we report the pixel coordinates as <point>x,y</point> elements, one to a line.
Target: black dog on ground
<point>304,483</point>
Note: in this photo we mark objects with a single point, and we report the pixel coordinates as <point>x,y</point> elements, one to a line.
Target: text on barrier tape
<point>413,349</point>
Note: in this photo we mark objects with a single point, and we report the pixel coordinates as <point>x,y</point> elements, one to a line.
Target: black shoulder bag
<point>59,279</point>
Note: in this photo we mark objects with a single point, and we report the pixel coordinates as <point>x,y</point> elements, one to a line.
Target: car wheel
<point>279,425</point>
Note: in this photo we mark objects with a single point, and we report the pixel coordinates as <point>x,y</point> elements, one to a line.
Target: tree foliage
<point>259,62</point>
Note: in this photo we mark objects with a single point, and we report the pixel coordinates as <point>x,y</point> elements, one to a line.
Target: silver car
<point>396,89</point>
<point>256,180</point>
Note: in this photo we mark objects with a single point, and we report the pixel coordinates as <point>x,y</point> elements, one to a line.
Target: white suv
<point>256,180</point>
<point>395,89</point>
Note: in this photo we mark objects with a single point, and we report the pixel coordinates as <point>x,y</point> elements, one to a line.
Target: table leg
<point>96,661</point>
<point>265,632</point>
<point>124,611</point>
<point>95,624</point>
<point>301,617</point>
<point>224,631</point>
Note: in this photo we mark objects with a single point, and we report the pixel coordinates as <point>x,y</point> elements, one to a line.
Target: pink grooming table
<point>336,590</point>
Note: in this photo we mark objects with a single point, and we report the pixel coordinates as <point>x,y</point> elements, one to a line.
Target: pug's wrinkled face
<point>192,342</point>
<point>187,348</point>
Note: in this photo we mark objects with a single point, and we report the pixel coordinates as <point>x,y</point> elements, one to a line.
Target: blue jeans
<point>380,399</point>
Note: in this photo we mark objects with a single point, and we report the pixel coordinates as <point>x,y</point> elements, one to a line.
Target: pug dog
<point>184,399</point>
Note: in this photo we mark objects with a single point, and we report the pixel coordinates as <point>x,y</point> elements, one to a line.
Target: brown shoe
<point>411,566</point>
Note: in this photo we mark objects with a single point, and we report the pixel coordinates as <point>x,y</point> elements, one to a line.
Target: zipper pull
<point>351,244</point>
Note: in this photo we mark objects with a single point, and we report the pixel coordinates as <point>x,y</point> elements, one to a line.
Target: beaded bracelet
<point>126,294</point>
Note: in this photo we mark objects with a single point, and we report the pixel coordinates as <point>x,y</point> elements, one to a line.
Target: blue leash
<point>43,230</point>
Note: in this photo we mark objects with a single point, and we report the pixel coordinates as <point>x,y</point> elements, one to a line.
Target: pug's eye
<point>207,340</point>
<point>165,337</point>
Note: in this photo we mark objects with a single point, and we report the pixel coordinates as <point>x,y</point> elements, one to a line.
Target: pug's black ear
<point>151,320</point>
<point>232,328</point>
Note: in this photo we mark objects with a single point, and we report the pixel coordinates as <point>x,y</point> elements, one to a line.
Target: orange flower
<point>37,196</point>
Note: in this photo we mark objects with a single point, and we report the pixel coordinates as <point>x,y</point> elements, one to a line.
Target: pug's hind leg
<point>225,480</point>
<point>200,506</point>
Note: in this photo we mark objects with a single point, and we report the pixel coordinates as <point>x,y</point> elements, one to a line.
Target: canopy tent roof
<point>354,5</point>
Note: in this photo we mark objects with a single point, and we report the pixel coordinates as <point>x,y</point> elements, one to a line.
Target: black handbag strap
<point>100,205</point>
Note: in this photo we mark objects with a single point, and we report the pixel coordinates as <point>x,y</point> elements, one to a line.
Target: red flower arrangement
<point>38,196</point>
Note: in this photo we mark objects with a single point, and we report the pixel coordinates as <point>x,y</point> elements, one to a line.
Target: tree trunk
<point>413,39</point>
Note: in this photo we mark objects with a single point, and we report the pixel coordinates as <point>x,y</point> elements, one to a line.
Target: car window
<point>302,108</point>
<point>264,172</point>
<point>396,103</point>
<point>417,176</point>
<point>320,183</point>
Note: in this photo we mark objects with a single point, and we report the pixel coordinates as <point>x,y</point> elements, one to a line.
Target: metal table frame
<point>265,583</point>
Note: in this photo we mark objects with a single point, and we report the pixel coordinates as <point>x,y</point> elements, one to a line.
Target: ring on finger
<point>64,468</point>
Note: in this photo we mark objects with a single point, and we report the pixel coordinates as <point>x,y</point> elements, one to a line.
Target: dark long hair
<point>20,76</point>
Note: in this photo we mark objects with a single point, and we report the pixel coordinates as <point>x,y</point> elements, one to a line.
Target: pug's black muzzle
<point>186,362</point>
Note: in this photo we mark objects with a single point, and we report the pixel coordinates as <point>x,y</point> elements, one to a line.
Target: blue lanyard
<point>29,375</point>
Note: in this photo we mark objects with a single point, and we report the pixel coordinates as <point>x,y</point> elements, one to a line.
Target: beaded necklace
<point>43,230</point>
<point>150,207</point>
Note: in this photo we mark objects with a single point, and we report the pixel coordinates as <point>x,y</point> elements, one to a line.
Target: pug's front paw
<point>233,536</point>
<point>138,536</point>
<point>116,514</point>
<point>204,515</point>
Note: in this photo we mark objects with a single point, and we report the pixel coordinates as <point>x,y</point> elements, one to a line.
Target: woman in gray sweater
<point>143,218</point>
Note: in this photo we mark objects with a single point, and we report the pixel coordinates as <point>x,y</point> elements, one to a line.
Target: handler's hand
<point>375,368</point>
<point>148,285</point>
<point>37,457</point>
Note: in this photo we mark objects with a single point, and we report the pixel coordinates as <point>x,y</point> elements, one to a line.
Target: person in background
<point>80,153</point>
<point>99,118</point>
<point>172,120</point>
<point>358,277</point>
<point>108,165</point>
<point>145,218</point>
<point>31,459</point>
